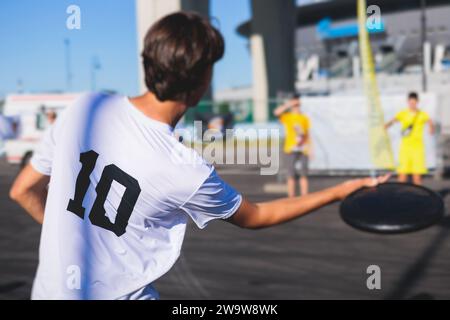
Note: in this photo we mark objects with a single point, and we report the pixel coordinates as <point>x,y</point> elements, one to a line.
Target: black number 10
<point>97,215</point>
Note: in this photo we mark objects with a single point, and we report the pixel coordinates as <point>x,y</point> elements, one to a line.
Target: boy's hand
<point>432,131</point>
<point>346,188</point>
<point>293,102</point>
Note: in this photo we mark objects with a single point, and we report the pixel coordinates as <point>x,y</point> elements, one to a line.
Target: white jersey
<point>121,190</point>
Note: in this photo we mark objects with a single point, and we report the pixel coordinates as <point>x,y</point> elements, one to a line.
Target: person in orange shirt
<point>296,143</point>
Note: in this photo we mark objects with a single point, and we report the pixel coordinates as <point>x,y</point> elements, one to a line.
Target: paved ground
<point>316,257</point>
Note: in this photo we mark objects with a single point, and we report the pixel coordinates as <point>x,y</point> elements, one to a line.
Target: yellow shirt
<point>407,118</point>
<point>295,125</point>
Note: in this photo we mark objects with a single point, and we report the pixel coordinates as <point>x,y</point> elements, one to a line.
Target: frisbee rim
<point>441,210</point>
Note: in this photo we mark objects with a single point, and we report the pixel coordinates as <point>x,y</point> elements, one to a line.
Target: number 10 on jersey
<point>110,173</point>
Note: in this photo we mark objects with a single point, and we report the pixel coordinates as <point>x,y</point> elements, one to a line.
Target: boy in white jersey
<point>120,185</point>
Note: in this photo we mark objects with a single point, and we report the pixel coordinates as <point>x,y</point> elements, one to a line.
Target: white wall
<point>340,130</point>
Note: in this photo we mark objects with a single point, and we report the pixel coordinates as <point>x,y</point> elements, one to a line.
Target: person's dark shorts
<point>297,164</point>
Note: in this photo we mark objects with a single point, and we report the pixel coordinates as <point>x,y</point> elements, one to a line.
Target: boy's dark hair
<point>178,51</point>
<point>297,96</point>
<point>413,95</point>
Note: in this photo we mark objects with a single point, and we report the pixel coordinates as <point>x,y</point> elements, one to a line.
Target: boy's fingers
<point>372,182</point>
<point>384,178</point>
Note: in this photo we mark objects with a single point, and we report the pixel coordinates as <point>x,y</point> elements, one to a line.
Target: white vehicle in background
<point>30,116</point>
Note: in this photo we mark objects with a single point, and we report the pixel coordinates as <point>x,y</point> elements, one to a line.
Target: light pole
<point>95,65</point>
<point>68,65</point>
<point>423,6</point>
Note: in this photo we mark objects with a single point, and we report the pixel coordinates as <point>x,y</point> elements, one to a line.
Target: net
<point>379,142</point>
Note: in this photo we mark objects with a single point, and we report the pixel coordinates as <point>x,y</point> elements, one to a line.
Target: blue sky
<point>32,37</point>
<point>32,45</point>
<point>234,70</point>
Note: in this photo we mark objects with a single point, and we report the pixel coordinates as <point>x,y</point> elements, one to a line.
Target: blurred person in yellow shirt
<point>412,160</point>
<point>296,144</point>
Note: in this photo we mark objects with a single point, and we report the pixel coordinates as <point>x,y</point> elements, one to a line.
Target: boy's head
<point>413,100</point>
<point>296,103</point>
<point>51,116</point>
<point>179,53</point>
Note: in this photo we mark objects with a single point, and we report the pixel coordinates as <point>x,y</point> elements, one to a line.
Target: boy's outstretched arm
<point>390,123</point>
<point>29,190</point>
<point>278,111</point>
<point>266,214</point>
<point>431,127</point>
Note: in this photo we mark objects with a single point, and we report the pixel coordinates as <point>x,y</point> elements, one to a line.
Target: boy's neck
<point>169,112</point>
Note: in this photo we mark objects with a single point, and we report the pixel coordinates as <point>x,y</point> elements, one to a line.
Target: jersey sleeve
<point>214,199</point>
<point>43,155</point>
<point>399,116</point>
<point>307,124</point>
<point>283,118</point>
<point>425,117</point>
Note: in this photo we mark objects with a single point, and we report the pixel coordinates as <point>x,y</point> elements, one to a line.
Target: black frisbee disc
<point>392,208</point>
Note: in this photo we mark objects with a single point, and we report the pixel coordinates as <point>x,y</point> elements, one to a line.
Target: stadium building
<point>411,47</point>
<point>326,40</point>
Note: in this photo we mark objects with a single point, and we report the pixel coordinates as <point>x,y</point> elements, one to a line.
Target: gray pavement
<point>315,257</point>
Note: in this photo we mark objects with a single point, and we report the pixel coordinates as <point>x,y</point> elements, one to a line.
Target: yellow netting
<point>380,144</point>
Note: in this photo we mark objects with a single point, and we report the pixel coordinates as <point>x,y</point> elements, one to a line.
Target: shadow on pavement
<point>415,272</point>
